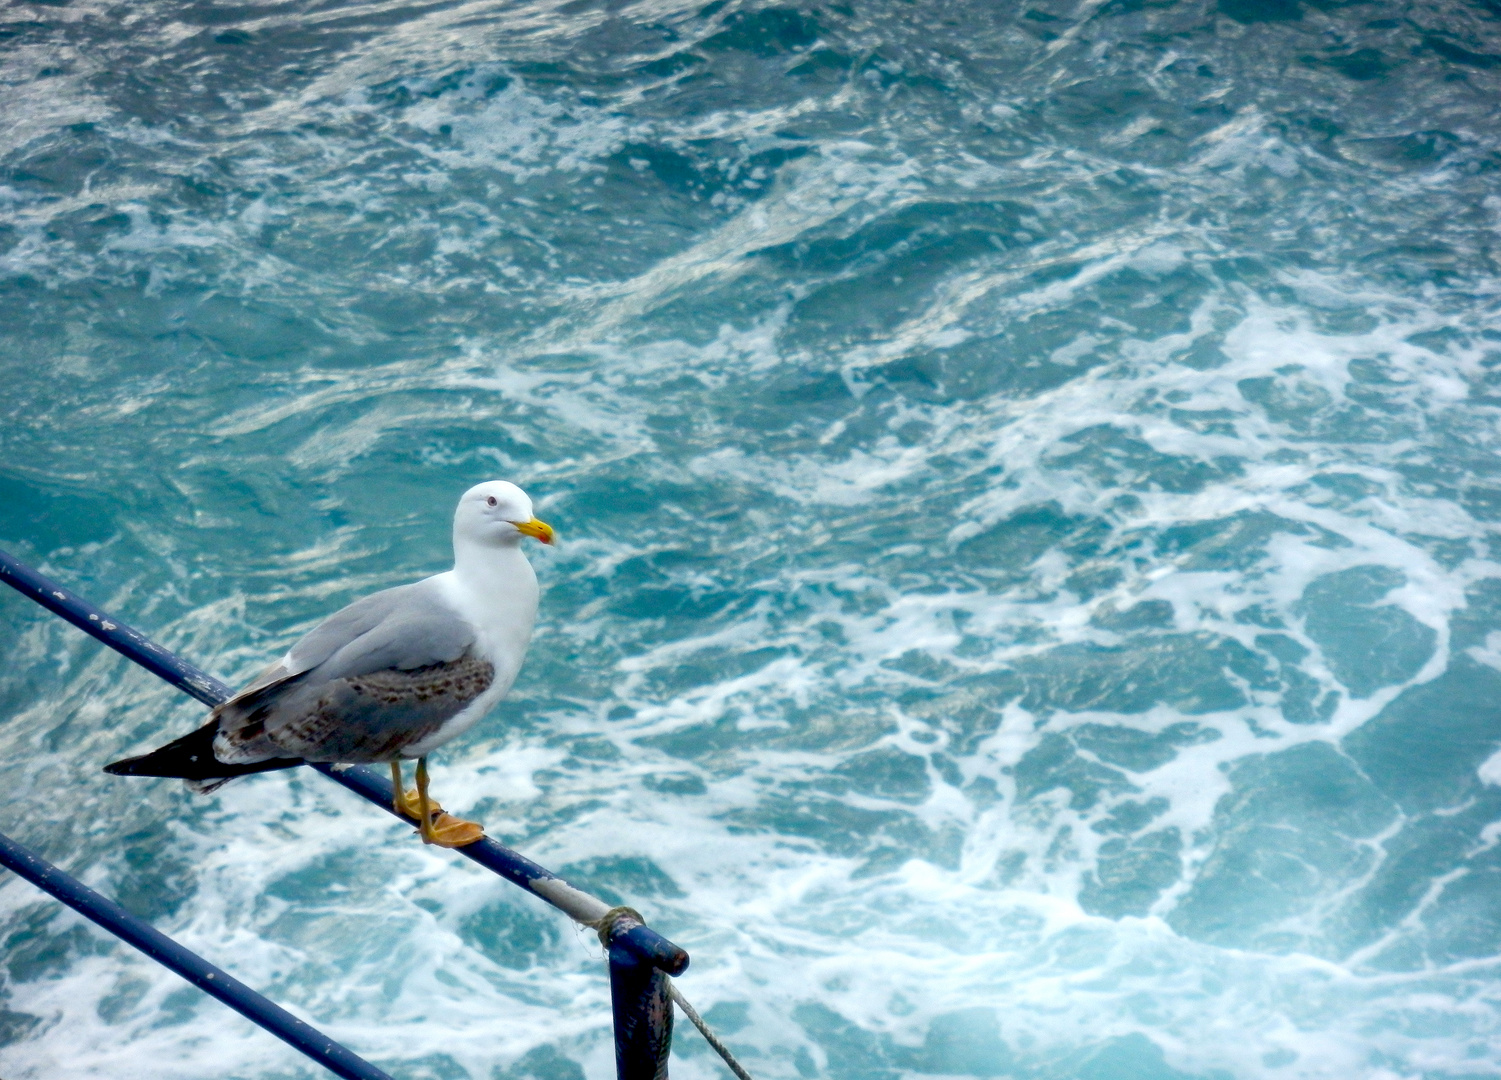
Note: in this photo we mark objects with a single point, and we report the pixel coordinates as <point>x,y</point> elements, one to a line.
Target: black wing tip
<point>153,764</point>
<point>191,767</point>
<point>191,757</point>
<point>188,757</point>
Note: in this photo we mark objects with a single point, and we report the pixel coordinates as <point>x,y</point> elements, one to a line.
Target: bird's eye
<point>491,501</point>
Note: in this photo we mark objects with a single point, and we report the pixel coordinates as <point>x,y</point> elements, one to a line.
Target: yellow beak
<point>540,530</point>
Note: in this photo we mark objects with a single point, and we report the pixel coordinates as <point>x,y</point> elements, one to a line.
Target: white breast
<point>499,601</point>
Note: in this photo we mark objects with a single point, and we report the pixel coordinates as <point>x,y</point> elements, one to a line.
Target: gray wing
<point>341,628</point>
<point>380,674</point>
<point>349,624</point>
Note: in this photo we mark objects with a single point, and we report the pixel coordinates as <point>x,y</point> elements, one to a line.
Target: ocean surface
<point>1028,600</point>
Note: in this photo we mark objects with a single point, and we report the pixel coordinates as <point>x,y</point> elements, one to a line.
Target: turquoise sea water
<point>1029,592</point>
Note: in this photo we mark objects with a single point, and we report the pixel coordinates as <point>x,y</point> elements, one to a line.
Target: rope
<point>605,925</point>
<point>703,1029</point>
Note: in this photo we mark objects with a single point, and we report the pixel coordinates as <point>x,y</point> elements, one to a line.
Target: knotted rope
<point>605,926</point>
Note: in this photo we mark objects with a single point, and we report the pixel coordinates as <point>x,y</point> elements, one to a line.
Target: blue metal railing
<point>198,971</point>
<point>640,958</point>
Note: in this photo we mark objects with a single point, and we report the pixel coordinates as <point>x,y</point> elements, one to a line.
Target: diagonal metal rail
<point>213,981</point>
<point>621,928</point>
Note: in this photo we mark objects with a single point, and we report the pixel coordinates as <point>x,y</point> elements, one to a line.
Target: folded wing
<point>379,675</point>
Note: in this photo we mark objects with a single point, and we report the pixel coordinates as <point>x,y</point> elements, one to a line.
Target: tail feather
<point>192,758</point>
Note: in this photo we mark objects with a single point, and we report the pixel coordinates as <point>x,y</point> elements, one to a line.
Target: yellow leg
<point>447,831</point>
<point>399,798</point>
<point>405,802</point>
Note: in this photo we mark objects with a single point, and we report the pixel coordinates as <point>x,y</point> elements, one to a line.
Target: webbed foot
<point>438,827</point>
<point>445,830</point>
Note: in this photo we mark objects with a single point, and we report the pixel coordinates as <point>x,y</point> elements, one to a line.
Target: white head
<point>496,514</point>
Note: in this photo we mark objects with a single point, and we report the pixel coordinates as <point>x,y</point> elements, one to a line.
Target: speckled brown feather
<point>364,718</point>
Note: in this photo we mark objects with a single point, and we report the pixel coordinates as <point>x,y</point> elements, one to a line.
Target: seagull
<point>392,676</point>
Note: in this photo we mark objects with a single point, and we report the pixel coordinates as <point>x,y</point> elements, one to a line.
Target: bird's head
<point>497,513</point>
